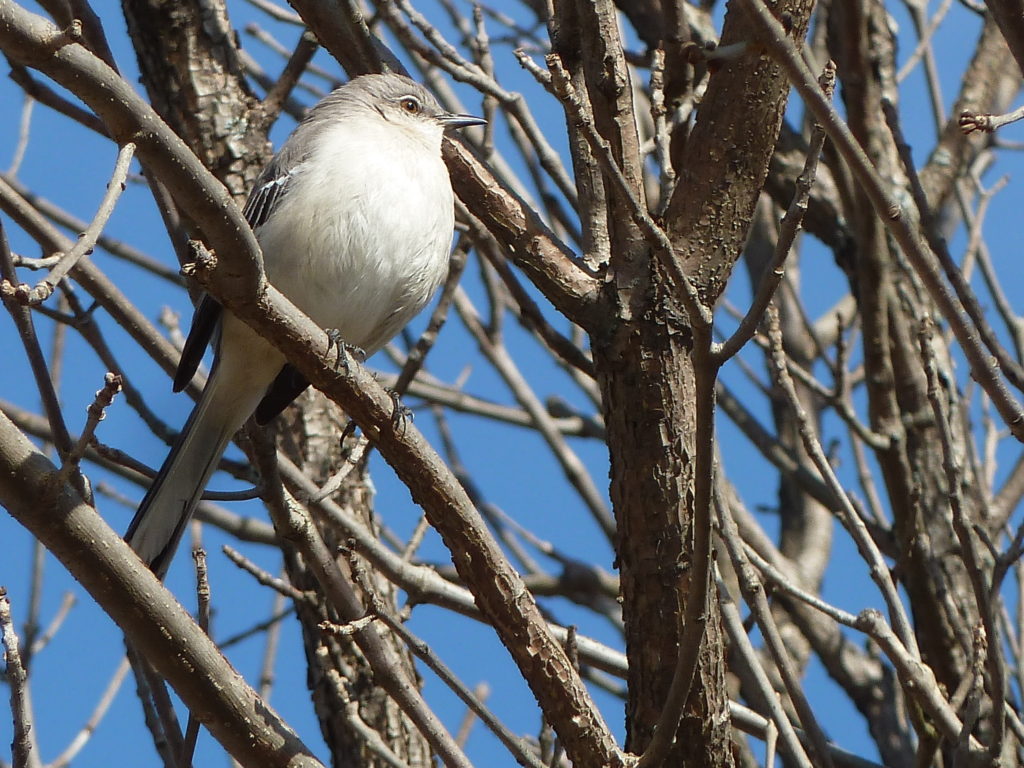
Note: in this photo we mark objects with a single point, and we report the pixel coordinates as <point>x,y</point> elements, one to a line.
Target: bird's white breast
<point>370,243</point>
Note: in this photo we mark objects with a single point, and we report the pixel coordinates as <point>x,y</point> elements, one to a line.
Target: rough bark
<point>654,373</point>
<point>891,309</point>
<point>188,58</point>
<point>339,674</point>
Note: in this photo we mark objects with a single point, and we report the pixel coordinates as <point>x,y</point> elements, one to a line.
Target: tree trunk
<point>340,679</point>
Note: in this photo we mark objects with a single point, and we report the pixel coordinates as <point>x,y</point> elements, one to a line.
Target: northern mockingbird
<point>354,216</point>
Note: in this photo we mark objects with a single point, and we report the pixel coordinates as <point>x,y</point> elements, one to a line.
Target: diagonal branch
<point>98,558</point>
<point>984,369</point>
<point>235,277</point>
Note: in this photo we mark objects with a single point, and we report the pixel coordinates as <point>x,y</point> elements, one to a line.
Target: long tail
<point>227,401</point>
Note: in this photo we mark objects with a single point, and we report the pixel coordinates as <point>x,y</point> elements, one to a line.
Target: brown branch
<point>788,230</point>
<point>451,397</point>
<point>654,234</point>
<point>964,293</point>
<point>31,41</point>
<point>845,511</point>
<point>294,524</point>
<point>24,749</point>
<point>152,619</point>
<point>965,535</point>
<point>87,239</point>
<point>699,593</point>
<point>753,593</point>
<point>22,317</point>
<point>749,656</point>
<point>341,29</point>
<point>916,677</point>
<point>984,370</point>
<point>45,95</point>
<point>279,92</point>
<point>278,611</point>
<point>95,414</point>
<point>522,752</point>
<point>424,584</point>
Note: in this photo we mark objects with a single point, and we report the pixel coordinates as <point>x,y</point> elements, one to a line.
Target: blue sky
<point>70,167</point>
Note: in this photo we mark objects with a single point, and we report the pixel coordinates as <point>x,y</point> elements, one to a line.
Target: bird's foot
<point>343,350</point>
<point>400,414</point>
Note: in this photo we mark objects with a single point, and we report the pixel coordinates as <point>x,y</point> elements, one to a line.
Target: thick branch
<point>149,615</point>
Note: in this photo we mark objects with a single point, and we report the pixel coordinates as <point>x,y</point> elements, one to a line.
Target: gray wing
<point>288,385</point>
<point>266,197</point>
<point>275,180</point>
<point>270,189</point>
<point>205,321</point>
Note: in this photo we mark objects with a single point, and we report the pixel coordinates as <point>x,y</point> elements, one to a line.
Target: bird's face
<point>409,105</point>
<point>415,112</point>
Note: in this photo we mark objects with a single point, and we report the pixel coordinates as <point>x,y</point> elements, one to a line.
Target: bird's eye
<point>411,105</point>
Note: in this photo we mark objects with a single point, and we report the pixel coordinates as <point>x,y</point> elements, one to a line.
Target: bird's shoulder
<point>275,180</point>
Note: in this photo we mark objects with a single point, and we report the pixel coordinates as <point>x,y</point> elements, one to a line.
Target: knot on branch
<point>24,295</point>
<point>71,34</point>
<point>971,122</point>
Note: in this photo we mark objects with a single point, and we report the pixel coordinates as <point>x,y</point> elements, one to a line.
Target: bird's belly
<point>364,275</point>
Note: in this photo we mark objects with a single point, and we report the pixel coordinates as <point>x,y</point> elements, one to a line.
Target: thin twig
<point>984,369</point>
<point>520,751</point>
<point>788,230</point>
<point>67,602</point>
<point>753,592</point>
<point>106,699</point>
<point>96,413</point>
<point>744,649</point>
<point>44,288</point>
<point>846,512</point>
<point>566,457</point>
<point>26,330</point>
<point>292,520</point>
<point>277,12</point>
<point>279,92</point>
<point>974,121</point>
<point>111,245</point>
<point>24,749</point>
<point>973,563</point>
<point>48,97</point>
<point>24,131</point>
<point>964,293</point>
<point>273,628</point>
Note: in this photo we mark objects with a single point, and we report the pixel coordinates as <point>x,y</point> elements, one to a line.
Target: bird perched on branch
<point>354,216</point>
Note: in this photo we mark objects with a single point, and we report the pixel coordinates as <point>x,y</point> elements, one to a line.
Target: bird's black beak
<point>449,120</point>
